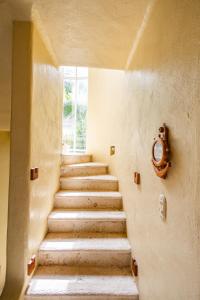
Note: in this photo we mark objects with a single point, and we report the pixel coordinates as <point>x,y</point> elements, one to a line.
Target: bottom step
<point>67,283</point>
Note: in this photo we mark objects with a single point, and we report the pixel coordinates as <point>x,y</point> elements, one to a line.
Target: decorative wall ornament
<point>161,153</point>
<point>134,267</point>
<point>136,178</point>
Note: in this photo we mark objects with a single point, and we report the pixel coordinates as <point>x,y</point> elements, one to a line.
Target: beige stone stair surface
<point>94,183</point>
<point>85,254</point>
<point>88,200</point>
<point>89,221</point>
<point>84,169</point>
<point>81,283</point>
<point>76,158</point>
<point>91,250</point>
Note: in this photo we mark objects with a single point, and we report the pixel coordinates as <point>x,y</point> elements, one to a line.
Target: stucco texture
<point>4,166</point>
<point>97,33</point>
<point>18,206</point>
<point>5,112</point>
<point>46,120</point>
<point>5,65</point>
<point>35,142</point>
<point>126,109</point>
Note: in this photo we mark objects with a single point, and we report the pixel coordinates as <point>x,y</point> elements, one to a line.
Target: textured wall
<point>97,33</point>
<point>35,141</point>
<point>5,110</point>
<point>126,109</point>
<point>45,139</point>
<point>5,65</point>
<point>4,166</point>
<point>19,161</point>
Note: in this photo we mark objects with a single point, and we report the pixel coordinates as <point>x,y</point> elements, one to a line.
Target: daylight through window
<point>75,108</point>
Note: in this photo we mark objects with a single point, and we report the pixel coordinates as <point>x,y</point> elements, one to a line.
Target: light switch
<point>163,207</point>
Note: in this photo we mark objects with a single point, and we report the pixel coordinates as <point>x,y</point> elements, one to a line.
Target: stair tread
<point>88,281</point>
<point>76,158</point>
<point>85,165</point>
<point>91,177</point>
<point>76,154</point>
<point>62,214</point>
<point>64,243</point>
<point>66,193</point>
<point>76,200</point>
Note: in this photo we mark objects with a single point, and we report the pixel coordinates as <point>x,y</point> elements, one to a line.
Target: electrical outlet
<point>163,207</point>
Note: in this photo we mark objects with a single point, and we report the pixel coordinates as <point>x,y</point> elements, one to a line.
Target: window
<point>75,108</point>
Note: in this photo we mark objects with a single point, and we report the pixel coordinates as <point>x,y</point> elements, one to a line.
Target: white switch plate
<point>163,207</point>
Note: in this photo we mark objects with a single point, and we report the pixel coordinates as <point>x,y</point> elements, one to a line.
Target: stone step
<point>81,283</point>
<point>89,221</point>
<point>100,251</point>
<point>88,200</point>
<point>76,158</point>
<point>93,183</point>
<point>84,169</point>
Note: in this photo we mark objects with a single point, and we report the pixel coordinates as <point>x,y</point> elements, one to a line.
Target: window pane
<point>69,114</point>
<point>82,72</point>
<point>75,108</point>
<point>81,113</point>
<point>69,90</point>
<point>82,91</point>
<point>68,125</point>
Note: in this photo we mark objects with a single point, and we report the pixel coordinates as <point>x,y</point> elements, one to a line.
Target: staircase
<point>86,254</point>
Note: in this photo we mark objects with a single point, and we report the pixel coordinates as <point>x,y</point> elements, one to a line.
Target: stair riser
<point>80,297</point>
<point>87,226</point>
<point>85,258</point>
<point>76,159</point>
<point>88,203</point>
<point>83,171</point>
<point>92,185</point>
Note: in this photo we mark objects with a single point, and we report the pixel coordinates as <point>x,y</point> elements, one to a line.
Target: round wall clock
<point>161,153</point>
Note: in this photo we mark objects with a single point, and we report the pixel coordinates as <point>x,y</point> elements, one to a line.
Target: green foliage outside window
<point>68,99</point>
<point>67,109</point>
<point>81,112</point>
<point>81,127</point>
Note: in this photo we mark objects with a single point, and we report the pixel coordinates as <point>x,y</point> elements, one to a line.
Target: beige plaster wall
<point>5,111</point>
<point>19,185</point>
<point>5,64</point>
<point>45,138</point>
<point>4,167</point>
<point>35,142</point>
<point>126,110</point>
